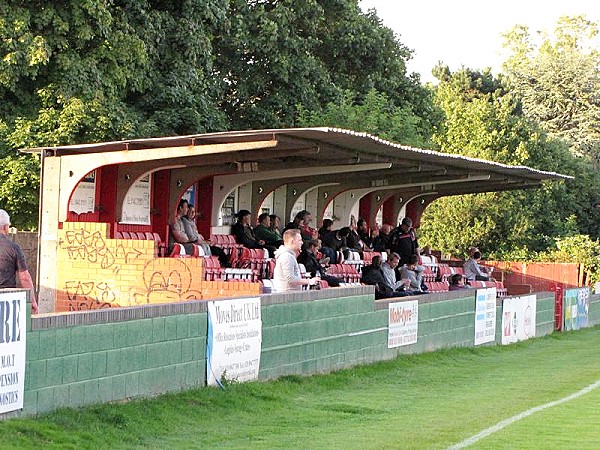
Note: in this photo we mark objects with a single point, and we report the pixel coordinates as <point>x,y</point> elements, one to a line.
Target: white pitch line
<point>506,422</point>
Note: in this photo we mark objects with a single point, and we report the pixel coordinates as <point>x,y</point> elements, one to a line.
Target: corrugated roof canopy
<point>282,149</point>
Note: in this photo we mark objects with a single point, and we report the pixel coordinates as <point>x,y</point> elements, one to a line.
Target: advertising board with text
<point>13,317</point>
<point>234,340</point>
<point>518,318</point>
<point>485,316</point>
<point>403,321</point>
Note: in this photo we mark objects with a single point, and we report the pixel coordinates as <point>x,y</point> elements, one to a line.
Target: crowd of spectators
<point>313,251</point>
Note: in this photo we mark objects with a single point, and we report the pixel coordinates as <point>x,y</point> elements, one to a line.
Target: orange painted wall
<point>541,276</point>
<point>95,271</point>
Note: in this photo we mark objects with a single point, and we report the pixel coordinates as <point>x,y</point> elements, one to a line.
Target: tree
<point>484,119</point>
<point>558,81</point>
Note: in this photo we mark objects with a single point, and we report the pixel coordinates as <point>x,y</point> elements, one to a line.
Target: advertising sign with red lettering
<point>518,318</point>
<point>485,316</point>
<point>234,340</point>
<point>403,323</point>
<point>13,309</point>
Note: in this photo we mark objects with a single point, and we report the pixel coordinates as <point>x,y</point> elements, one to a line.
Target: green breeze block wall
<point>100,356</point>
<point>303,336</point>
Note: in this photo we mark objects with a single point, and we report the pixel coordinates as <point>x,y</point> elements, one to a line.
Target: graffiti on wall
<point>84,295</point>
<point>92,247</point>
<point>167,280</point>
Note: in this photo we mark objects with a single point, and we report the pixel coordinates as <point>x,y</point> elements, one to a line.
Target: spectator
<point>13,268</point>
<point>457,282</point>
<point>287,275</point>
<point>245,235</point>
<point>381,241</point>
<point>263,231</point>
<point>302,223</point>
<point>362,230</point>
<point>403,240</point>
<point>413,272</point>
<point>427,258</point>
<point>177,233</point>
<point>473,271</point>
<point>308,258</point>
<point>191,230</point>
<point>276,225</point>
<point>373,275</point>
<point>388,269</point>
<point>328,238</point>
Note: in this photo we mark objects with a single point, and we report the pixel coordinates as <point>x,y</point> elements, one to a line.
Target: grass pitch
<point>432,400</point>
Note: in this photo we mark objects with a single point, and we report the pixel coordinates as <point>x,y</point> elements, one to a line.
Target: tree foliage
<point>484,118</point>
<point>93,70</point>
<point>558,81</point>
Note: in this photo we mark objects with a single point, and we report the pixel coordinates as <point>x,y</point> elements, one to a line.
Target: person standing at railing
<point>13,268</point>
<point>287,276</point>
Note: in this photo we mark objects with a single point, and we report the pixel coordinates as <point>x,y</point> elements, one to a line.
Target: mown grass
<point>432,400</point>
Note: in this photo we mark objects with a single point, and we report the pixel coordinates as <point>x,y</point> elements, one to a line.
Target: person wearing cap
<point>403,240</point>
<point>13,268</point>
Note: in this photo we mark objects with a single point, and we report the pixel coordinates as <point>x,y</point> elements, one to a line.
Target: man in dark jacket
<point>308,258</point>
<point>374,276</point>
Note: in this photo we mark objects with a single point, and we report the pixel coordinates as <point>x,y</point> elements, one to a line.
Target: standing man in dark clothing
<point>362,230</point>
<point>403,240</point>
<point>13,268</point>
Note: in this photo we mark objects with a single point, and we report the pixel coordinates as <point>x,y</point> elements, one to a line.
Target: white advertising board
<point>84,196</point>
<point>518,318</point>
<point>403,323</point>
<point>234,340</point>
<point>13,318</point>
<point>485,315</point>
<point>136,205</point>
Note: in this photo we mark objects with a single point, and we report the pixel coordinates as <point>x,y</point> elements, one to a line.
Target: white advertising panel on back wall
<point>518,318</point>
<point>485,315</point>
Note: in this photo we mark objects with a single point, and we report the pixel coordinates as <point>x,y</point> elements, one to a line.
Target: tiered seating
<point>212,269</point>
<point>256,259</point>
<point>437,286</point>
<point>428,275</point>
<point>501,291</point>
<point>231,248</point>
<point>160,249</point>
<point>236,274</point>
<point>445,271</point>
<point>344,271</point>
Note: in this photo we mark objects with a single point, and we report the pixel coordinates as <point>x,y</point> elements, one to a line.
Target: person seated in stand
<point>427,258</point>
<point>353,240</point>
<point>381,240</point>
<point>264,233</point>
<point>302,223</point>
<point>362,230</point>
<point>457,283</point>
<point>475,272</point>
<point>276,225</point>
<point>177,233</point>
<point>373,275</point>
<point>191,230</point>
<point>389,272</point>
<point>308,257</point>
<point>328,238</point>
<point>287,276</point>
<point>413,272</point>
<point>245,235</point>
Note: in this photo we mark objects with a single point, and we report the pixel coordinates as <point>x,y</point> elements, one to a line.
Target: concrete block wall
<point>95,272</point>
<point>107,355</point>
